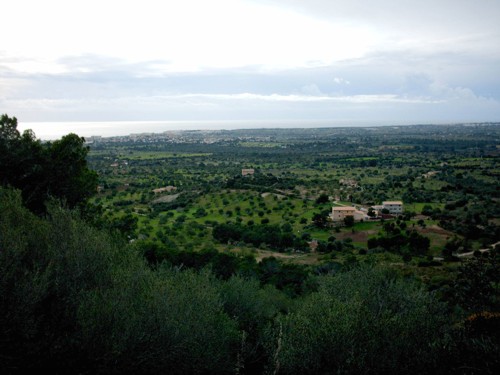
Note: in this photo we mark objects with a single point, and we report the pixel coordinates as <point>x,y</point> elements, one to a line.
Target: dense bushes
<point>152,321</point>
<point>73,298</point>
<point>277,237</point>
<point>291,278</point>
<point>363,321</point>
<point>398,240</point>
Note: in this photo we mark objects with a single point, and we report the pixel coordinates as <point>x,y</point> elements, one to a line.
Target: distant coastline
<point>55,130</point>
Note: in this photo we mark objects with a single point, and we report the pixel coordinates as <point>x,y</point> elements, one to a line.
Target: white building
<point>394,207</point>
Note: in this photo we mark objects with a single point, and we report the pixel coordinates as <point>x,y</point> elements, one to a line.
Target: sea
<point>55,130</point>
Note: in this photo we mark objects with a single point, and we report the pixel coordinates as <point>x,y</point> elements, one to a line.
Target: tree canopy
<point>43,170</point>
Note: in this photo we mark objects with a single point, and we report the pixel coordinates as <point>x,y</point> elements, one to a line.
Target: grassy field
<point>417,207</point>
<point>191,227</point>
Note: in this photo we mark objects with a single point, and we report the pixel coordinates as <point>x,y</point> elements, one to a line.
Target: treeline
<point>75,299</point>
<point>260,182</point>
<point>471,219</point>
<point>278,237</point>
<point>399,239</point>
<point>292,279</point>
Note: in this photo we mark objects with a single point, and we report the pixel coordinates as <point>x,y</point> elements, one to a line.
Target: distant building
<point>166,189</point>
<point>247,172</point>
<point>394,207</point>
<point>348,182</point>
<point>93,139</point>
<point>430,174</point>
<point>340,213</point>
<point>361,216</point>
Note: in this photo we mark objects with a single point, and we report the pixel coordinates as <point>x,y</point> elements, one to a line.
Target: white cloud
<point>189,34</point>
<point>341,81</point>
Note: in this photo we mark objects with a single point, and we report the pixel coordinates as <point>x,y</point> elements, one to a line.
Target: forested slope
<point>75,298</point>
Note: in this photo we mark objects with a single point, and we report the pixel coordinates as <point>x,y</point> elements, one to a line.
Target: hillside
<point>223,273</point>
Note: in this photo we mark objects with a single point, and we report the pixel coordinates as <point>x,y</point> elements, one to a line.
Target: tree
<point>323,198</point>
<point>427,210</point>
<point>22,159</point>
<point>45,170</point>
<point>8,128</point>
<point>320,219</point>
<point>127,224</point>
<point>477,283</point>
<point>418,244</point>
<point>73,297</point>
<point>70,178</point>
<point>371,212</point>
<point>349,221</point>
<point>365,320</point>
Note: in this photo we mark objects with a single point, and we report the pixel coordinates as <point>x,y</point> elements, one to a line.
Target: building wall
<point>339,213</point>
<point>247,172</point>
<point>394,207</point>
<point>360,215</point>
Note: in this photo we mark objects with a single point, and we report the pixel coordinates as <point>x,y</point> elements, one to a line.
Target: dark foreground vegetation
<point>81,294</point>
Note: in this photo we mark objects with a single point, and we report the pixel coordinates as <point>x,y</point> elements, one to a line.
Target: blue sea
<point>55,130</point>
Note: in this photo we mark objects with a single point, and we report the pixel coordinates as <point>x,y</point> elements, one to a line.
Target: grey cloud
<point>311,89</point>
<point>448,104</point>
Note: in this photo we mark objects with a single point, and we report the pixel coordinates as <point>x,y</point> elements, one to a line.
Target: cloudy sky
<point>345,61</point>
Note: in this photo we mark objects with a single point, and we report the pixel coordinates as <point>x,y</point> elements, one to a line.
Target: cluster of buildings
<point>394,208</point>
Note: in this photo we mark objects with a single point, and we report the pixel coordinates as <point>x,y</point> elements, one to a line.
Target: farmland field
<point>447,188</point>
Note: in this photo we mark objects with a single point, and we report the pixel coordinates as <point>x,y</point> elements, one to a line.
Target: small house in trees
<point>247,172</point>
<point>340,213</point>
<point>166,189</point>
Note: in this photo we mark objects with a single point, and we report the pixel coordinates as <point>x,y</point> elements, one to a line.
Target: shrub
<point>366,320</point>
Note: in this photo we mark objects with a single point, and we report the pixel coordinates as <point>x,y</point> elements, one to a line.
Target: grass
<point>417,207</point>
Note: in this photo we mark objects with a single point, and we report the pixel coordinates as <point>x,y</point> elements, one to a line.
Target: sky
<point>344,61</point>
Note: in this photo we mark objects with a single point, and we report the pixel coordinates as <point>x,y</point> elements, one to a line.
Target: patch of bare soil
<point>302,191</point>
<point>356,236</point>
<point>421,217</point>
<point>285,192</point>
<point>166,198</point>
<point>279,196</point>
<point>297,258</point>
<point>437,230</point>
